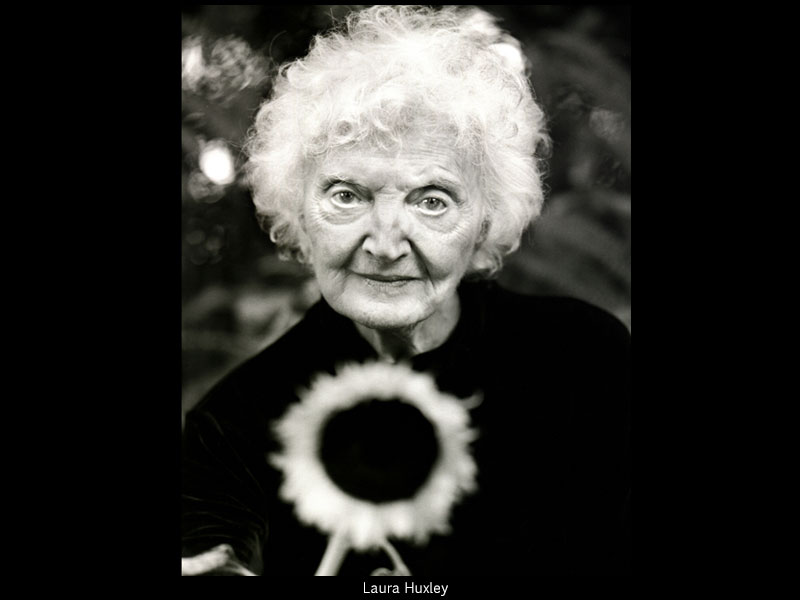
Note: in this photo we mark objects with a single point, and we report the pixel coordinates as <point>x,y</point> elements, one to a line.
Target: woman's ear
<point>484,232</point>
<point>304,242</point>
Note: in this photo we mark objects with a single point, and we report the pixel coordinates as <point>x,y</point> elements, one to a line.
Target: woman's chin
<point>402,313</point>
<point>386,318</point>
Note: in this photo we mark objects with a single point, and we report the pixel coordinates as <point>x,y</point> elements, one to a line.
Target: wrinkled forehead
<point>417,147</point>
<point>386,127</point>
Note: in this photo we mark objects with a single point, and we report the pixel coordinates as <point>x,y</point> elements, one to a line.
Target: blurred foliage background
<point>238,297</point>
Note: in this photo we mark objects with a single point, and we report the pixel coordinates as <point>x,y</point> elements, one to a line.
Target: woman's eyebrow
<point>452,187</point>
<point>328,182</point>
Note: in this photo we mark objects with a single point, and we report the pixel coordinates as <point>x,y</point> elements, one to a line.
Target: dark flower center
<point>379,450</point>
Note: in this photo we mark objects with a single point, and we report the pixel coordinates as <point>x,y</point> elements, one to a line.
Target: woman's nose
<point>387,238</point>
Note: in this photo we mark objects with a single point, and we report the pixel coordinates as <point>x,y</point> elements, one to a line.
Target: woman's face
<point>391,232</point>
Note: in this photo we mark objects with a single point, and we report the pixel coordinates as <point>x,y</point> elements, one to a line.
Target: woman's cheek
<point>455,231</point>
<point>446,255</point>
<point>442,225</point>
<point>334,241</point>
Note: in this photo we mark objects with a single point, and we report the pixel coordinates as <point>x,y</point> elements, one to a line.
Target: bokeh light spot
<point>216,162</point>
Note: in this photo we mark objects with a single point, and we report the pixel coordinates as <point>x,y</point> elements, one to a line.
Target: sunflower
<point>374,452</point>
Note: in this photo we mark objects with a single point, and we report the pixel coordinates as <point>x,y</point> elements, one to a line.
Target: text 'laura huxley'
<point>409,588</point>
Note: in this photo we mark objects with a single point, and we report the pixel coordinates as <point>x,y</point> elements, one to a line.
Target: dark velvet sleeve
<point>222,499</point>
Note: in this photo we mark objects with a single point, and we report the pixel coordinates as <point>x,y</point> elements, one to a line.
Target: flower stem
<point>338,546</point>
<point>400,567</point>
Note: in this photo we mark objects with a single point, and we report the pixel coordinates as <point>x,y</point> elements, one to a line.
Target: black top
<point>553,492</point>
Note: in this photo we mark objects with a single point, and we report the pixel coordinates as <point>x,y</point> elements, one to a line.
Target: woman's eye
<point>344,198</point>
<point>432,206</point>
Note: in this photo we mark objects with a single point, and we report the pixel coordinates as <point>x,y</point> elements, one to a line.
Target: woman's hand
<point>219,561</point>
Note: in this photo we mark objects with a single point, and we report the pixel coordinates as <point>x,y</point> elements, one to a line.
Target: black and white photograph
<point>405,293</point>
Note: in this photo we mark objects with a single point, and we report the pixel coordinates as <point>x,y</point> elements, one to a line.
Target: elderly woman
<point>398,160</point>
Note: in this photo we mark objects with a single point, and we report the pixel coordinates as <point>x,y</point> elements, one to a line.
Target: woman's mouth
<point>385,280</point>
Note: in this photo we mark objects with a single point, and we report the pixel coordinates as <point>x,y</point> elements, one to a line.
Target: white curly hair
<point>453,70</point>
